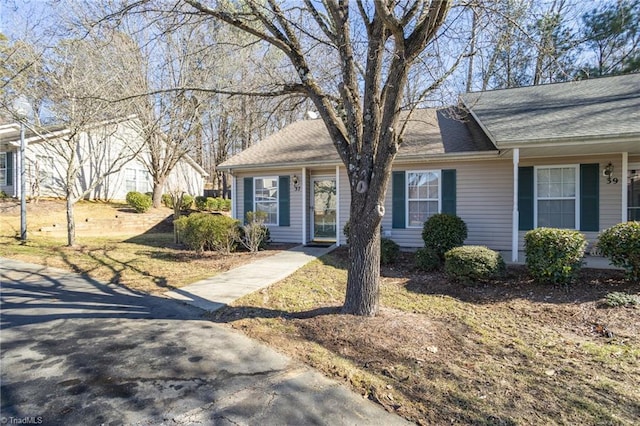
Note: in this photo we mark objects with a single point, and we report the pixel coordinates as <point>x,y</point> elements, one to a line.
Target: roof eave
<point>468,155</point>
<point>451,156</point>
<point>573,140</point>
<point>258,166</point>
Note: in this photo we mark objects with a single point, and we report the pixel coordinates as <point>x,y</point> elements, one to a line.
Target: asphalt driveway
<point>75,351</point>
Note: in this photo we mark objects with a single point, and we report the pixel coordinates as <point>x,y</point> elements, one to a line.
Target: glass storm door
<point>633,194</point>
<point>324,209</point>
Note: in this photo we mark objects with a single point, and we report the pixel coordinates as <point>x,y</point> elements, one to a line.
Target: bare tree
<point>91,144</point>
<point>360,103</point>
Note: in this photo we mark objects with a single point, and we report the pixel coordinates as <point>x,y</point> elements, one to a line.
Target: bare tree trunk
<point>363,282</point>
<point>71,223</point>
<point>472,48</point>
<point>158,187</point>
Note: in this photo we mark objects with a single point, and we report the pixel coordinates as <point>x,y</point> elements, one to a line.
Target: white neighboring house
<point>101,147</point>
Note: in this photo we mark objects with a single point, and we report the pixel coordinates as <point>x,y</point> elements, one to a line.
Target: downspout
<point>515,216</point>
<point>234,196</point>
<point>624,186</point>
<point>337,206</point>
<point>304,206</point>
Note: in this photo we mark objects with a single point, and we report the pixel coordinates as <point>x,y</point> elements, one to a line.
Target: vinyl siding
<point>484,199</point>
<point>610,194</point>
<point>483,195</point>
<point>280,234</point>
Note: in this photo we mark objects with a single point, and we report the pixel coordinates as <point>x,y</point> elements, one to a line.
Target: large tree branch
<point>231,19</point>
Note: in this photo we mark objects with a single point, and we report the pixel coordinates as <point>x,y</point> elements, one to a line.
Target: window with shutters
<point>556,195</point>
<point>3,168</point>
<point>265,198</point>
<point>423,196</point>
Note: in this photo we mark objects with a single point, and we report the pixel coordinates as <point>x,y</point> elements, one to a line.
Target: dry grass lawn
<point>509,352</point>
<point>144,261</point>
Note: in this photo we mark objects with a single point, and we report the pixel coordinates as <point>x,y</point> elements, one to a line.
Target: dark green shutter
<point>589,197</point>
<point>449,191</point>
<point>283,201</point>
<point>9,168</point>
<point>525,198</point>
<point>248,197</point>
<point>398,200</point>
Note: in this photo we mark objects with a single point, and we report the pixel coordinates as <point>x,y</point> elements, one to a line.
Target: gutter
<point>462,156</point>
<point>573,140</point>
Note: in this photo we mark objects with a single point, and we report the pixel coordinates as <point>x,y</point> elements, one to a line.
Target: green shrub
<point>442,232</point>
<point>167,200</point>
<point>201,203</point>
<point>187,202</point>
<point>621,244</point>
<point>203,231</point>
<point>224,204</point>
<point>619,298</point>
<point>140,202</point>
<point>427,259</point>
<point>3,195</point>
<point>468,264</point>
<point>389,251</point>
<point>208,204</point>
<point>554,256</point>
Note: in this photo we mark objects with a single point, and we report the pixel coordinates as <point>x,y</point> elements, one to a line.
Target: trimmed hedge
<point>141,203</point>
<point>442,232</point>
<point>427,259</point>
<point>554,256</point>
<point>203,231</point>
<point>468,264</point>
<point>621,244</point>
<point>389,251</point>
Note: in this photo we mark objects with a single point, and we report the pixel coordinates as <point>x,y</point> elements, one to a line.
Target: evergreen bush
<point>141,203</point>
<point>554,256</point>
<point>204,231</point>
<point>468,264</point>
<point>427,259</point>
<point>442,232</point>
<point>187,202</point>
<point>389,251</point>
<point>621,244</point>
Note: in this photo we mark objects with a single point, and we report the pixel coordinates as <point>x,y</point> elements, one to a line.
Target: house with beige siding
<point>561,155</point>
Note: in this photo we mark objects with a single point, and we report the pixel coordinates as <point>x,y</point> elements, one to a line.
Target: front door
<point>323,203</point>
<point>633,194</point>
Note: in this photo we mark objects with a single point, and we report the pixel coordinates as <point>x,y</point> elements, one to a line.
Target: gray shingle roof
<point>596,108</point>
<point>429,133</point>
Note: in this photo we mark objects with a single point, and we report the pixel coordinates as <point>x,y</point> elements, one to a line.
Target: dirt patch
<point>505,352</point>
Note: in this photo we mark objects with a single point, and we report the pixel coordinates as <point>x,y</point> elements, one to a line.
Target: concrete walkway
<point>213,293</point>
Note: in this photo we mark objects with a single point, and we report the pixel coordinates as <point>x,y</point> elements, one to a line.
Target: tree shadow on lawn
<point>229,314</point>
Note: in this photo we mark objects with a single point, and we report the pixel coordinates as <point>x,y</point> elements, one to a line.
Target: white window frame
<point>576,167</point>
<point>45,169</point>
<point>4,170</point>
<point>407,199</point>
<point>277,201</point>
<point>140,177</point>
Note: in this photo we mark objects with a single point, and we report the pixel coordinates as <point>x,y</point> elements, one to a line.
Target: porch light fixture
<point>22,110</point>
<point>296,183</point>
<point>608,173</point>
